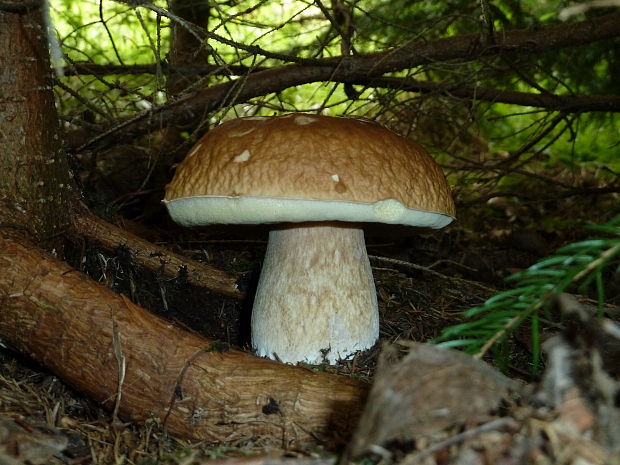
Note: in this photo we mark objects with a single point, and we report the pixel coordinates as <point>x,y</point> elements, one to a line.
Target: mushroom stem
<point>316,299</point>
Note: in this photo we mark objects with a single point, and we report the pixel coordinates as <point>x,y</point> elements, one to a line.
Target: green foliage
<point>585,141</point>
<point>593,145</point>
<point>107,32</point>
<point>580,266</point>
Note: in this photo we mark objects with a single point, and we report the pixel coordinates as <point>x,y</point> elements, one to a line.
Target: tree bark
<point>347,69</point>
<point>34,177</point>
<point>142,366</point>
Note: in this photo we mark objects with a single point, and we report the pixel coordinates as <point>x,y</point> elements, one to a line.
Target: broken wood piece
<point>429,390</point>
<point>154,257</point>
<point>142,366</point>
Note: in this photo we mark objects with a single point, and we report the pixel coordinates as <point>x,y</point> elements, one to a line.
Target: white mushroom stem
<point>316,299</point>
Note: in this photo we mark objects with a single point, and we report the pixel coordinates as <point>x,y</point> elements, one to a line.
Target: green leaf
<point>580,263</point>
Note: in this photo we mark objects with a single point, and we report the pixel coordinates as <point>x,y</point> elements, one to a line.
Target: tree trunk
<point>34,178</point>
<point>142,366</point>
<point>185,48</point>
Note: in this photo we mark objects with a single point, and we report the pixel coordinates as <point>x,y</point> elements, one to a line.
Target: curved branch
<point>339,69</point>
<point>564,103</point>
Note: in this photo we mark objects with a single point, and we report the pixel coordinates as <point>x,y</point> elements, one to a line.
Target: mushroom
<point>317,178</point>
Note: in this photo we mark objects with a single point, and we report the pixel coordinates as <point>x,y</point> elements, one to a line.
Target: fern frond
<point>578,264</point>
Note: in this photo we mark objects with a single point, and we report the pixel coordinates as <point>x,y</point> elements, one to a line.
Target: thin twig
<point>200,34</point>
<point>79,68</point>
<point>499,424</point>
<point>428,270</point>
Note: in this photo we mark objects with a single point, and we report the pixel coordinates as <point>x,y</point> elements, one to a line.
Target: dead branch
<point>199,391</point>
<point>154,257</point>
<point>202,34</point>
<point>548,101</point>
<point>95,69</point>
<point>339,69</point>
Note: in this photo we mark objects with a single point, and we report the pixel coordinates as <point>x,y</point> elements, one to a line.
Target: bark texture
<point>34,177</point>
<point>130,360</point>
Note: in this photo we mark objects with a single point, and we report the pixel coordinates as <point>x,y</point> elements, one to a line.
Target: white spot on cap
<point>243,156</point>
<point>388,210</point>
<point>303,120</point>
<point>256,118</point>
<point>195,149</point>
<point>241,132</point>
<point>336,178</point>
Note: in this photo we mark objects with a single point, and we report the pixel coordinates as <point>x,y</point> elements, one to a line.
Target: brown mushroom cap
<point>303,167</point>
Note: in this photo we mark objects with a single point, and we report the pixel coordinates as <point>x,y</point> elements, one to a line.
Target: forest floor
<point>424,281</point>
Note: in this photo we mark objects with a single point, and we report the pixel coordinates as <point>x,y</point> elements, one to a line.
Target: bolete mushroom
<point>318,178</point>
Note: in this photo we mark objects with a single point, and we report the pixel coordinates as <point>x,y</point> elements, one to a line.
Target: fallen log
<point>141,366</point>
